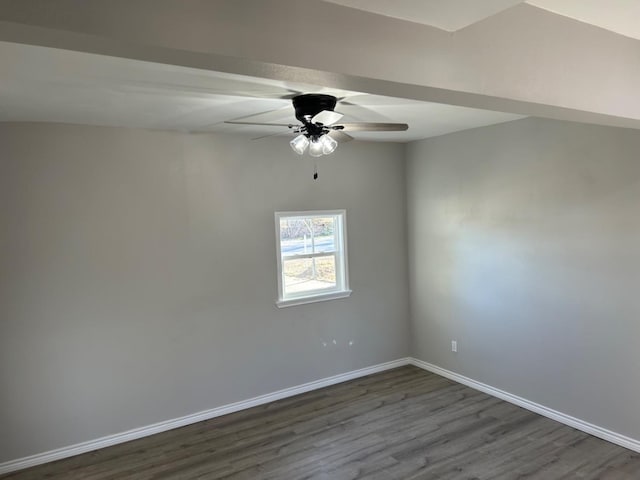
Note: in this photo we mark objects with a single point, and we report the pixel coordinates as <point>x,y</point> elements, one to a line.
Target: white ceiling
<point>51,85</point>
<point>450,15</point>
<point>619,16</point>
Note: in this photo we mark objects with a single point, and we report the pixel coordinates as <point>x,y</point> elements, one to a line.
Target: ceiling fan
<point>318,128</point>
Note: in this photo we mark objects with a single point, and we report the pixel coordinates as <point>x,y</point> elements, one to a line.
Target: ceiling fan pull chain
<point>315,170</point>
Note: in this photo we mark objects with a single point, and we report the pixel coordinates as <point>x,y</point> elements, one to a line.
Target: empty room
<point>319,239</point>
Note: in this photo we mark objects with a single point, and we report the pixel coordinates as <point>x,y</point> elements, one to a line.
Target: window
<point>312,256</point>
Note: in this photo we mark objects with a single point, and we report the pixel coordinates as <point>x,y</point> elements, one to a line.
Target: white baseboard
<point>50,456</point>
<point>591,429</point>
<point>136,433</point>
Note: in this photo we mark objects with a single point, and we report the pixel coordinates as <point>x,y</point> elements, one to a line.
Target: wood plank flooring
<point>400,424</point>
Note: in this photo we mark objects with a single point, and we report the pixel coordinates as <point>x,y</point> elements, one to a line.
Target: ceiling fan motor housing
<point>309,105</point>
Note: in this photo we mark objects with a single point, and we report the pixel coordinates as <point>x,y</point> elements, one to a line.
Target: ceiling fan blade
<point>206,86</point>
<point>259,116</point>
<point>271,135</point>
<point>260,123</point>
<point>373,127</point>
<point>327,117</point>
<point>292,93</point>
<point>340,136</point>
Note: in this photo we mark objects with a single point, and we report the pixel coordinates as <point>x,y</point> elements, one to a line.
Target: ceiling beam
<point>524,60</point>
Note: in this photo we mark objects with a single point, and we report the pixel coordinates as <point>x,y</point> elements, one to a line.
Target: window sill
<point>313,299</point>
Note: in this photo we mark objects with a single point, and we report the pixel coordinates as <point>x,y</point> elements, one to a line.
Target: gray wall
<point>138,275</point>
<point>524,246</point>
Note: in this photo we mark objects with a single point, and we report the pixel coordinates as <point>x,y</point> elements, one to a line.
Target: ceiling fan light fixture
<point>299,144</point>
<point>329,145</point>
<point>315,148</point>
<point>317,127</point>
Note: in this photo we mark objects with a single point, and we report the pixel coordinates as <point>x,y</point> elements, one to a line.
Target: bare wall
<point>138,275</point>
<point>524,241</point>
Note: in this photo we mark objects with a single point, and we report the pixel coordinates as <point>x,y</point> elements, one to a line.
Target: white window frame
<point>341,260</point>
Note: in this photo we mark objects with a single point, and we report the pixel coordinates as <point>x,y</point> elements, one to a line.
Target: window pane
<point>307,274</point>
<point>324,234</point>
<point>295,236</point>
<point>307,235</point>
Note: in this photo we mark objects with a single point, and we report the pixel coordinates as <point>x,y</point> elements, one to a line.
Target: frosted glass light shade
<point>299,144</point>
<point>329,145</point>
<point>315,148</point>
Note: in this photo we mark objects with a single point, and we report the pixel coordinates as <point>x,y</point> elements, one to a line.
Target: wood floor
<point>401,424</point>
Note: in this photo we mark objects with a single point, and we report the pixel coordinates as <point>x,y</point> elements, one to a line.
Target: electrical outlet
<point>454,346</point>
